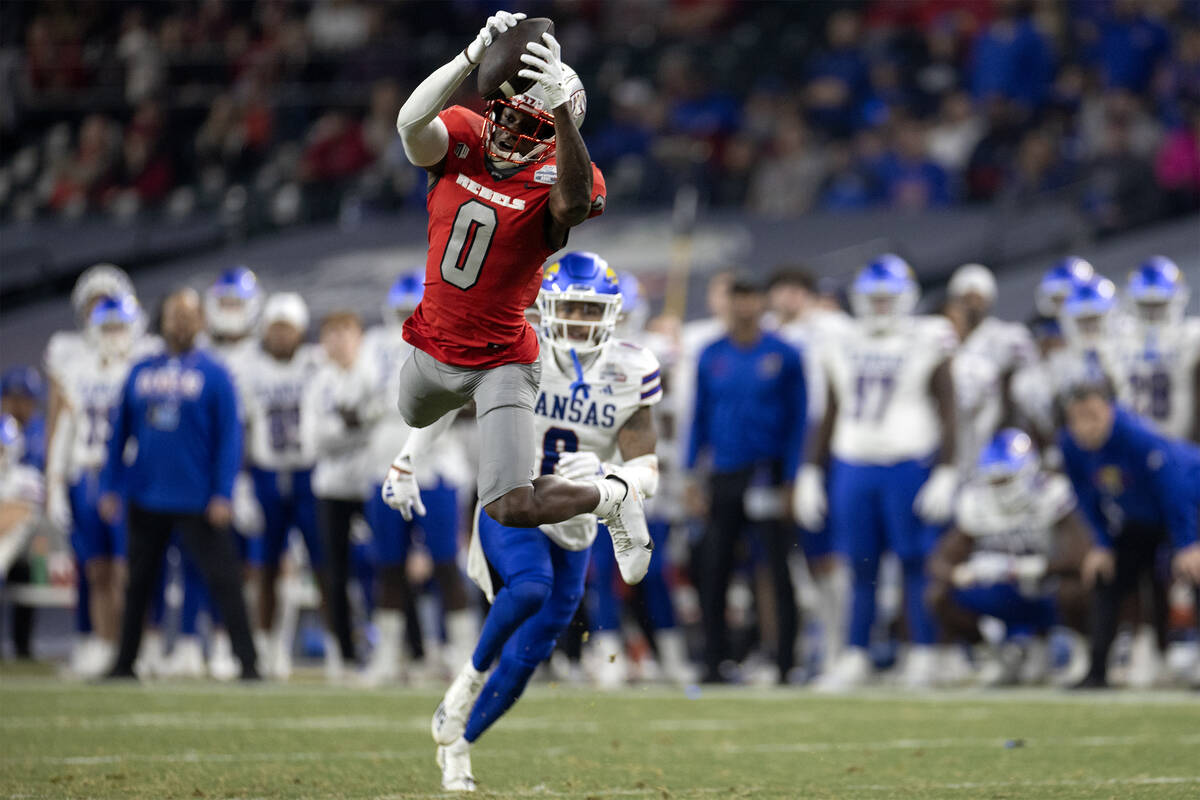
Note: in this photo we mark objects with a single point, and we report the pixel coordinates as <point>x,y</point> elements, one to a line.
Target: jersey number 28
<point>468,245</point>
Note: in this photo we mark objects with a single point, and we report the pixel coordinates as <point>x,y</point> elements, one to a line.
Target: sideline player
<point>888,437</point>
<point>505,190</point>
<point>90,391</point>
<point>1014,555</point>
<point>271,379</point>
<point>594,405</point>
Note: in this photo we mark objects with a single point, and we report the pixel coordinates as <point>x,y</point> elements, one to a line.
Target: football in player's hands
<point>497,76</point>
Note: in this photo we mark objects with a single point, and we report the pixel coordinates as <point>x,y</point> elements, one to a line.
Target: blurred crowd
<point>282,112</point>
<point>845,497</point>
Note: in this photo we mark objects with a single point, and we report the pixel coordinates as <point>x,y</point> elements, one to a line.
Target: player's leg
<point>522,558</point>
<point>857,526</point>
<point>604,607</point>
<point>779,540</point>
<point>335,517</point>
<point>1133,551</point>
<point>504,399</point>
<point>265,552</point>
<point>655,591</point>
<point>87,540</point>
<point>390,540</point>
<point>531,644</point>
<point>440,526</point>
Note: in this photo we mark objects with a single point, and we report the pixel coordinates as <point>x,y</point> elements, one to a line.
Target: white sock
<point>833,590</point>
<point>612,492</point>
<point>389,624</point>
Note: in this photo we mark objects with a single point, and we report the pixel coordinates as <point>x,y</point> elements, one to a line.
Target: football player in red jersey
<point>504,191</point>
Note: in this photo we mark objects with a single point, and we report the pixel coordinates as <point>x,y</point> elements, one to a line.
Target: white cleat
<point>673,657</point>
<point>852,670</point>
<point>450,718</point>
<point>186,659</point>
<point>920,668</point>
<point>454,760</point>
<point>1145,661</point>
<point>151,661</point>
<point>1035,667</point>
<point>222,666</point>
<point>611,667</point>
<point>630,535</point>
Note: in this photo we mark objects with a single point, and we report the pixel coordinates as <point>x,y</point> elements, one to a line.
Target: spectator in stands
<point>1012,58</point>
<point>911,181</point>
<point>1177,166</point>
<point>848,186</point>
<point>1120,191</point>
<point>786,182</point>
<point>838,77</point>
<point>83,177</point>
<point>748,426</point>
<point>181,409</point>
<point>1140,492</point>
<point>22,391</point>
<point>1131,46</point>
<point>954,135</point>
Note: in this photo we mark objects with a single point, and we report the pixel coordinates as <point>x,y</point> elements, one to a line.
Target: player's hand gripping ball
<point>500,61</point>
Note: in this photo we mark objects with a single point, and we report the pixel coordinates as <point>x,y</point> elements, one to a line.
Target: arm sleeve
<point>228,455</point>
<point>1089,499</point>
<point>797,392</point>
<point>423,135</point>
<point>112,476</point>
<point>698,439</point>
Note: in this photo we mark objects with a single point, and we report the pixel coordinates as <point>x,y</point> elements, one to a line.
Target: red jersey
<point>487,244</point>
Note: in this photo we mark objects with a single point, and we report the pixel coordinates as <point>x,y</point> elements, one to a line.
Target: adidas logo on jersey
<point>490,195</point>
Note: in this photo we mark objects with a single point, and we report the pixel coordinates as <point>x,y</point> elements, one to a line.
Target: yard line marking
<point>948,743</point>
<point>219,721</point>
<point>1163,780</point>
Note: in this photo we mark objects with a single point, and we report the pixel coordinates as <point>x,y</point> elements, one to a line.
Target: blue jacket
<point>182,413</point>
<point>751,405</point>
<point>1136,476</point>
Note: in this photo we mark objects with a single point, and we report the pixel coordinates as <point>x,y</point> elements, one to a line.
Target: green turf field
<point>203,740</point>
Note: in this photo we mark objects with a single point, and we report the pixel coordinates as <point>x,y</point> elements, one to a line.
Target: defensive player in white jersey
<point>1162,361</point>
<point>1013,555</point>
<point>990,353</point>
<point>271,379</point>
<point>609,667</point>
<point>440,475</point>
<point>593,406</point>
<point>89,390</point>
<point>888,445</point>
<point>804,323</point>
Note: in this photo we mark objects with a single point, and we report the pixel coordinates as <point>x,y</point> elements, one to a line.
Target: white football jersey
<point>384,346</point>
<point>64,349</point>
<point>270,393</point>
<point>813,336</point>
<point>886,413</point>
<point>1022,531</point>
<point>1158,368</point>
<point>985,356</point>
<point>621,378</point>
<point>343,470</point>
<point>91,388</point>
<point>21,483</point>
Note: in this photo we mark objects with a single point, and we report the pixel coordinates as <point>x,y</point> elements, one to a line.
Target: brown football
<point>497,76</point>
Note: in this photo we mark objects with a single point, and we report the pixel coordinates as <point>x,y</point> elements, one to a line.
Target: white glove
<point>495,25</point>
<point>547,70</point>
<point>58,506</point>
<point>808,497</point>
<point>247,511</point>
<point>935,500</point>
<point>578,466</point>
<point>400,490</point>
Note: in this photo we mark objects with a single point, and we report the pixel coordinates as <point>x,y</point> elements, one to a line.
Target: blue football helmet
<point>232,303</point>
<point>402,299</point>
<point>1086,313</point>
<point>884,291</point>
<point>1008,467</point>
<point>114,324</point>
<point>635,310</point>
<point>1158,292</point>
<point>23,380</point>
<point>571,284</point>
<point>1059,281</point>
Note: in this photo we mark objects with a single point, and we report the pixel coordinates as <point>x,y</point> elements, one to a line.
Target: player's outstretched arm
<point>424,136</point>
<point>571,195</point>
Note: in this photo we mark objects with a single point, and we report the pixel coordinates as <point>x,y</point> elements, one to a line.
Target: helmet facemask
<point>524,125</point>
<point>579,320</point>
<point>882,309</point>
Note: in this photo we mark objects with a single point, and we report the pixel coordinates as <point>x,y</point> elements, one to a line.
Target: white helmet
<point>98,280</point>
<point>532,103</point>
<point>232,303</point>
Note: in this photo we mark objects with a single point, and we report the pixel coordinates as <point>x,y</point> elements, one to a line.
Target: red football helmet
<point>528,126</point>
